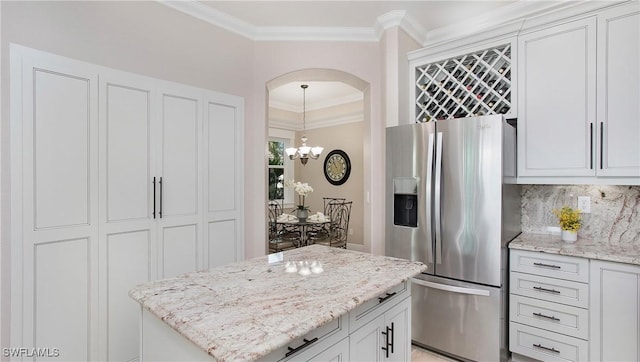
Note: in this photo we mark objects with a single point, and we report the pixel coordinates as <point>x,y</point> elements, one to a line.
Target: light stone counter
<point>618,252</point>
<point>246,310</point>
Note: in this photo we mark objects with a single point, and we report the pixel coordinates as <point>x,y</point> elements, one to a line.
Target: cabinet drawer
<point>554,290</point>
<point>371,309</point>
<point>554,317</point>
<point>550,265</point>
<point>326,334</point>
<point>544,345</point>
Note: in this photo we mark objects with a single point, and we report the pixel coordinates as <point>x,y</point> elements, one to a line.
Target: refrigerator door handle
<point>438,196</point>
<point>429,189</point>
<point>451,288</point>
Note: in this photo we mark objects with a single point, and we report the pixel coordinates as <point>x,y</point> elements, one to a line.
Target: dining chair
<point>280,238</point>
<point>329,200</point>
<point>339,211</point>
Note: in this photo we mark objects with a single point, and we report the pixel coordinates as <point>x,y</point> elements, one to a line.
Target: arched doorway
<point>312,173</point>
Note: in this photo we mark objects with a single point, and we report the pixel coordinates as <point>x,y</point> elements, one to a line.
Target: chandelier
<point>304,152</point>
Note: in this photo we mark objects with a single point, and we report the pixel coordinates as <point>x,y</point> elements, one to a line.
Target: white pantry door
<point>128,224</point>
<point>179,202</point>
<point>54,121</point>
<point>224,116</point>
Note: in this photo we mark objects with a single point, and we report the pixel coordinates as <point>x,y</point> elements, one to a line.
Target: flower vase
<point>302,214</point>
<point>569,236</point>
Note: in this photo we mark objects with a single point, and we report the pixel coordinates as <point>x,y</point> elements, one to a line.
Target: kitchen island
<point>254,310</point>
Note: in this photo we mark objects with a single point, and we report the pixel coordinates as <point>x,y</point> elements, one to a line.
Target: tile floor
<point>422,355</point>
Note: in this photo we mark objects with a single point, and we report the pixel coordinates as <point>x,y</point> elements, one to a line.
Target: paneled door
<point>223,191</point>
<point>618,127</point>
<point>54,119</point>
<point>557,100</point>
<point>128,227</point>
<point>179,187</point>
<point>151,215</point>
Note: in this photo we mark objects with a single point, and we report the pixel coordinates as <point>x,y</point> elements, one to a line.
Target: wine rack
<point>475,84</point>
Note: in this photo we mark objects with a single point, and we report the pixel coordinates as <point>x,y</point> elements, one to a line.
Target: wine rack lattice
<point>471,85</point>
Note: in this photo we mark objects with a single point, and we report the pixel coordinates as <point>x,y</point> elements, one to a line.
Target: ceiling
<point>318,95</point>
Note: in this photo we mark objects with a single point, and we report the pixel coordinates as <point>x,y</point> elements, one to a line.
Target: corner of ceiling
<point>401,19</point>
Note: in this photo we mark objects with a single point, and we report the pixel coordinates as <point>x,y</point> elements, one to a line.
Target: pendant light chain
<point>304,152</point>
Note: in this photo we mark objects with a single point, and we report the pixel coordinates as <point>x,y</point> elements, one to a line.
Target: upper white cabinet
<point>117,179</point>
<point>615,311</point>
<point>557,100</point>
<point>578,100</point>
<point>618,128</point>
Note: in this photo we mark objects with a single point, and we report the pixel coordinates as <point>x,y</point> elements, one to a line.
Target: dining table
<point>303,226</point>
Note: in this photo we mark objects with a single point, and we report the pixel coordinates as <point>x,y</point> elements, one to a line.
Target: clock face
<point>337,167</point>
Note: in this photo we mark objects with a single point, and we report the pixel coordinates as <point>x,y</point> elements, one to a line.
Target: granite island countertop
<point>628,253</point>
<point>245,310</point>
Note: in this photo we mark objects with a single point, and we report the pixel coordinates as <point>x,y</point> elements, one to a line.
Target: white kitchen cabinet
<point>557,104</point>
<point>385,338</point>
<point>548,309</point>
<point>615,311</point>
<point>88,221</point>
<point>618,127</point>
<point>579,85</point>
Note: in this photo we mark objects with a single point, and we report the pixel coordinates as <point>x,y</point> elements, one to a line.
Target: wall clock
<point>337,167</point>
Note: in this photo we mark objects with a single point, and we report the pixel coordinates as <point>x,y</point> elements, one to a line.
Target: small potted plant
<point>303,189</point>
<point>569,220</point>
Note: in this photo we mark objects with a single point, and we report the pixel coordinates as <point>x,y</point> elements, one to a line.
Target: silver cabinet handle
<point>541,289</point>
<point>553,318</point>
<point>546,348</point>
<point>547,265</point>
<point>451,288</point>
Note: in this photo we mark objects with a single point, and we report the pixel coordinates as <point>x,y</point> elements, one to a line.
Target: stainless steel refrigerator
<point>452,203</point>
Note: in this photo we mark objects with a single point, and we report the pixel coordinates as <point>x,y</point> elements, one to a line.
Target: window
<point>280,169</point>
<point>276,170</point>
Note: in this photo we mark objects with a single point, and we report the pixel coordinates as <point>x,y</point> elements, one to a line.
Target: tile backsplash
<point>614,217</point>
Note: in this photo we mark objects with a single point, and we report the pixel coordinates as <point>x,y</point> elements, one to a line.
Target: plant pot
<point>302,214</point>
<point>569,236</point>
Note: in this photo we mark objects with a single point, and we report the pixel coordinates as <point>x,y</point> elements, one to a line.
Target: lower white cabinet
<point>573,309</point>
<point>385,338</point>
<point>548,310</point>
<point>615,311</point>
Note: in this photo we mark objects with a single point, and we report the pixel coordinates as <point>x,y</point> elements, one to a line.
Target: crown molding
<point>295,125</point>
<point>298,33</point>
<point>212,16</point>
<point>301,33</point>
<point>511,15</point>
<point>322,104</point>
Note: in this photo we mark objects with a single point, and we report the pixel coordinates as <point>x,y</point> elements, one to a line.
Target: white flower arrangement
<point>302,188</point>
